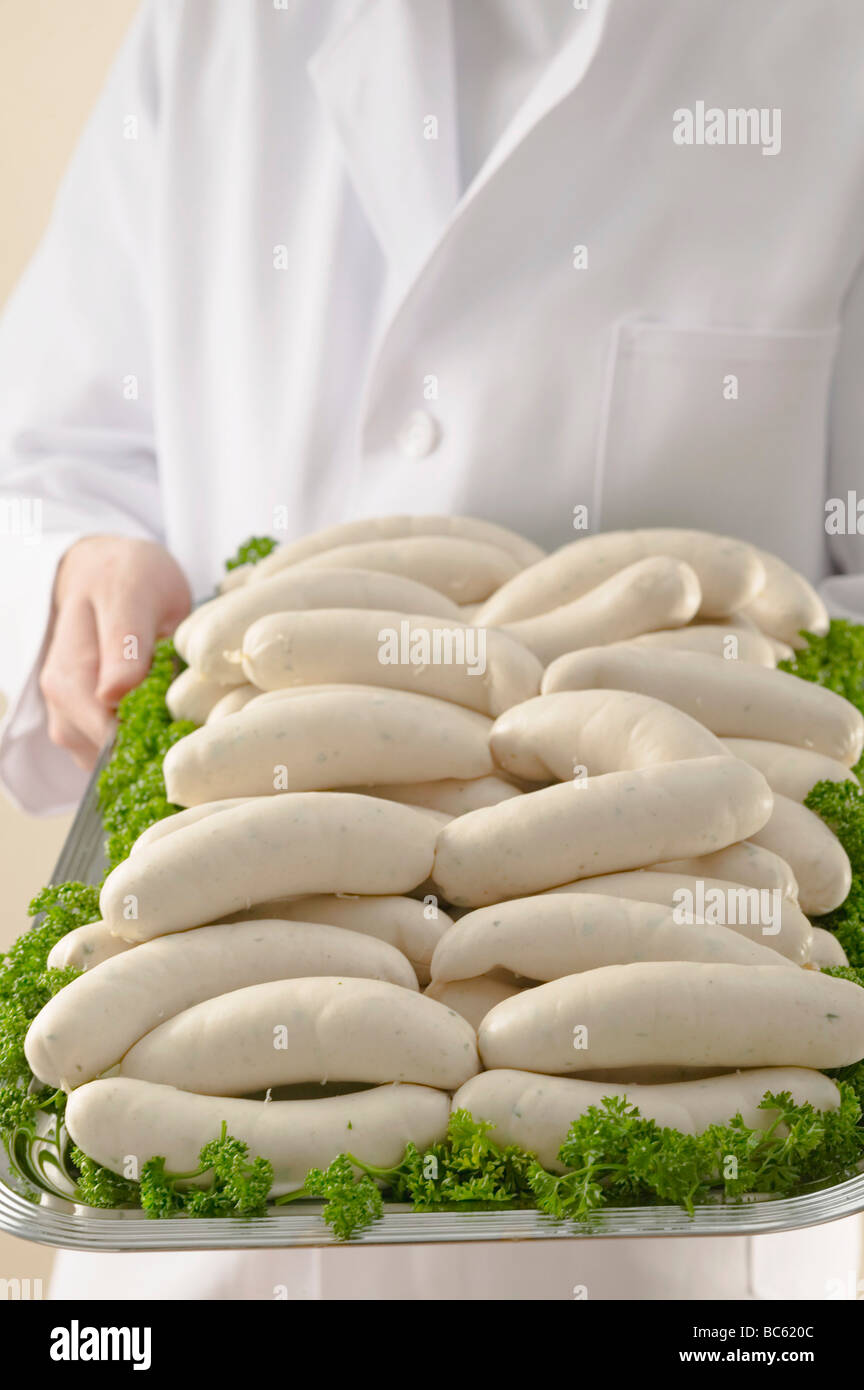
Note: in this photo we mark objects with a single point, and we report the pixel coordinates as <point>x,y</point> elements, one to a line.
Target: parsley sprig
<point>835,660</point>
<point>251,551</point>
<point>612,1156</point>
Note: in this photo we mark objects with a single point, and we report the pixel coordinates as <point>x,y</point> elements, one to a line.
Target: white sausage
<point>291,1031</point>
<point>467,571</point>
<point>485,671</point>
<point>301,842</point>
<point>649,1076</point>
<point>237,698</point>
<point>782,650</point>
<point>472,999</point>
<point>325,742</point>
<point>713,640</point>
<point>730,572</point>
<point>536,1112</point>
<point>826,950</point>
<point>714,900</point>
<point>812,851</point>
<point>293,692</point>
<point>600,730</point>
<point>168,824</point>
<point>791,772</point>
<point>739,621</point>
<point>732,699</point>
<point>190,696</point>
<point>385,528</point>
<point>742,863</point>
<point>665,1013</point>
<point>742,622</point>
<point>787,604</point>
<point>88,1026</point>
<point>450,795</point>
<point>84,947</point>
<point>116,1118</point>
<point>235,578</point>
<point>210,636</point>
<point>618,821</point>
<point>543,938</point>
<point>654,593</point>
<point>412,926</point>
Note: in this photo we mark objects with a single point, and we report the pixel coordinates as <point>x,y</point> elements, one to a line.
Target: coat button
<point>419,435</point>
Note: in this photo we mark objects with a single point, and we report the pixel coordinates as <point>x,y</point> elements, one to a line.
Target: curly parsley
<point>251,551</point>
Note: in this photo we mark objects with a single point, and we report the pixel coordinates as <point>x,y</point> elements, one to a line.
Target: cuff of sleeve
<point>843,596</point>
<point>39,777</point>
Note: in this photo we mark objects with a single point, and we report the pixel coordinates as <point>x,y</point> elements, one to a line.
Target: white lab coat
<point>266,302</point>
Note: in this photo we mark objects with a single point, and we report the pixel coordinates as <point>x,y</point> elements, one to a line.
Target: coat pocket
<point>723,429</point>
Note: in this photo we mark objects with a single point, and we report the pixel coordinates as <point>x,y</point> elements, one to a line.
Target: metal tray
<point>82,1228</point>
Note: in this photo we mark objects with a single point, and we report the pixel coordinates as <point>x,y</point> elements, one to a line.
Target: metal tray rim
<point>64,1224</point>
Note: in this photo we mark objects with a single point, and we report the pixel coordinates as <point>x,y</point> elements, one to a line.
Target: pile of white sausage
<point>629,736</point>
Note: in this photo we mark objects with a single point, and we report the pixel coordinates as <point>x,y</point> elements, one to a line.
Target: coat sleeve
<point>76,438</point>
<point>843,591</point>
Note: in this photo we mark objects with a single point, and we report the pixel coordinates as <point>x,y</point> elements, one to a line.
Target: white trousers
<point>821,1262</point>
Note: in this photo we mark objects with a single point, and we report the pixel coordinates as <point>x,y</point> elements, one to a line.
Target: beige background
<point>53,58</point>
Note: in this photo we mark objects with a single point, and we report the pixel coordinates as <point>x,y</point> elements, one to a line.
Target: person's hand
<point>113,597</point>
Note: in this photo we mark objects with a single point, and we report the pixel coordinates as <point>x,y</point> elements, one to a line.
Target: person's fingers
<point>170,622</point>
<point>68,679</point>
<point>126,625</point>
<point>113,597</point>
<point>65,735</point>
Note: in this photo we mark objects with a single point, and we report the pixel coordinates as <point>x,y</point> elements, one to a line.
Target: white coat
<point>268,301</point>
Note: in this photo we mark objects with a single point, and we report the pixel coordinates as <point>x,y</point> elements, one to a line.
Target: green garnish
<point>236,1186</point>
<point>100,1187</point>
<point>841,806</point>
<point>835,660</point>
<point>845,972</point>
<point>351,1202</point>
<point>612,1156</point>
<point>132,788</point>
<point>251,551</point>
<point>26,983</point>
<point>466,1170</point>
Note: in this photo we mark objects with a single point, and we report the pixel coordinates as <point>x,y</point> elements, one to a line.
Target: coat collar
<point>381,77</point>
<point>387,82</point>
